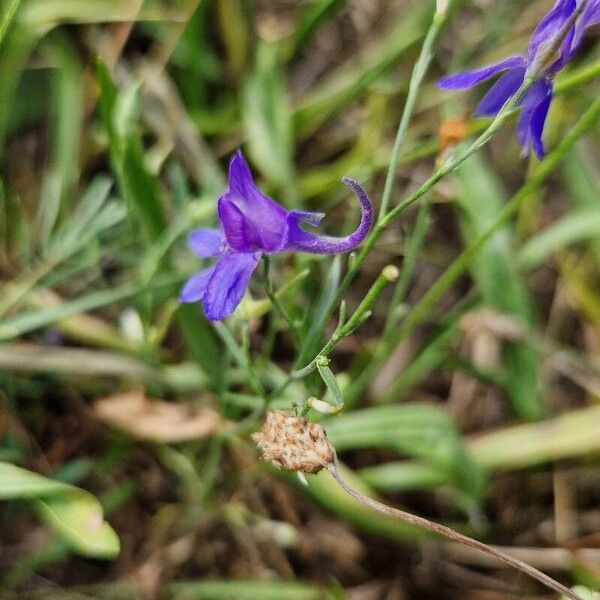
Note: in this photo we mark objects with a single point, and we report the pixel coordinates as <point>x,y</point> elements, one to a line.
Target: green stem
<point>362,312</point>
<point>241,359</point>
<point>462,262</point>
<point>8,17</point>
<point>268,285</point>
<point>577,78</point>
<point>408,266</point>
<point>416,80</point>
<point>502,117</point>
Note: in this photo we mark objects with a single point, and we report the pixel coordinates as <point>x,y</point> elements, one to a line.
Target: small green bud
<point>391,273</point>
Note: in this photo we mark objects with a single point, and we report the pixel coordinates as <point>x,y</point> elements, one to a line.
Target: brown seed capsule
<point>293,443</point>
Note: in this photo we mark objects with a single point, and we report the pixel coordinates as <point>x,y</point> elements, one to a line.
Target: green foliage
<point>117,119</point>
<point>267,119</point>
<point>119,109</point>
<point>417,430</point>
<point>74,514</point>
<point>481,200</point>
<point>249,590</point>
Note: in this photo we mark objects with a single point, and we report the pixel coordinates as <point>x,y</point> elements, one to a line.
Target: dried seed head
<point>293,443</point>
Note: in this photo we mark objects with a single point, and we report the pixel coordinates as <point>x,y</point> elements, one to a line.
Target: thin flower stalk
<point>420,69</point>
<point>462,262</point>
<point>501,118</point>
<point>388,275</point>
<point>455,536</point>
<point>268,285</point>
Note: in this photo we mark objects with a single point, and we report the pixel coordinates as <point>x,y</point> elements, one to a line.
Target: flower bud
<point>324,407</point>
<point>391,273</point>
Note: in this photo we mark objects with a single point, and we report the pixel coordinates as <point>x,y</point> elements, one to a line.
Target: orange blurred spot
<point>452,132</point>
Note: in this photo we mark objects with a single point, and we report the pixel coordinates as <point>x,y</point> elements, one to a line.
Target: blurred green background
<point>125,462</point>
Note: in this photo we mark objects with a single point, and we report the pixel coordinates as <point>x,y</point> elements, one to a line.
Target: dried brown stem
<point>454,536</point>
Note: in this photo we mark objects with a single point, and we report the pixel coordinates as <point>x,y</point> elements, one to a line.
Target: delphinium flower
<point>553,44</point>
<point>252,224</point>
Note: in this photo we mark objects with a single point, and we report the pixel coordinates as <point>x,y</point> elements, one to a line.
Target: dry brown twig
<point>295,444</point>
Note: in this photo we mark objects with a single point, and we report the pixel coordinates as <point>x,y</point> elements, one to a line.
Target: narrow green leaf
<point>579,226</point>
<point>419,430</point>
<point>267,117</point>
<point>403,476</point>
<point>67,124</point>
<point>481,199</point>
<point>247,590</point>
<point>17,483</point>
<point>331,382</point>
<point>582,182</point>
<point>78,518</point>
<point>28,321</point>
<point>315,14</point>
<point>315,320</point>
<point>348,82</point>
<point>201,342</point>
<point>235,32</point>
<point>73,513</point>
<point>16,46</point>
<point>43,15</point>
<point>139,187</point>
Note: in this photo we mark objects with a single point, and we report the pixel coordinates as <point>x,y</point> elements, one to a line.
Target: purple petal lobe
<point>538,120</point>
<point>194,288</point>
<point>228,284</point>
<point>591,14</point>
<point>259,223</point>
<point>235,226</point>
<point>500,92</point>
<point>533,116</point>
<point>468,79</point>
<point>549,26</point>
<point>205,242</point>
<point>301,240</point>
<point>589,18</point>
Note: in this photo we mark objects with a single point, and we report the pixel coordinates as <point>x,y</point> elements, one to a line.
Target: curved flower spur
<point>551,47</point>
<point>253,224</point>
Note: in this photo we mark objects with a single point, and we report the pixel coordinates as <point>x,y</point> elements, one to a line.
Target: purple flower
<point>539,60</point>
<point>252,225</point>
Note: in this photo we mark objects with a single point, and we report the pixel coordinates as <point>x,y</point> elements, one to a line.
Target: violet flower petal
<point>205,243</point>
<point>589,18</point>
<point>468,79</point>
<point>228,284</point>
<point>300,240</point>
<point>261,219</point>
<point>235,226</point>
<point>533,116</point>
<point>549,26</point>
<point>500,92</point>
<point>538,120</point>
<point>591,14</point>
<point>194,288</point>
